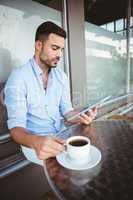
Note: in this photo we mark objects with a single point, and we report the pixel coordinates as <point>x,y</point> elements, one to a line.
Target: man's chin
<point>53,66</point>
<point>49,65</point>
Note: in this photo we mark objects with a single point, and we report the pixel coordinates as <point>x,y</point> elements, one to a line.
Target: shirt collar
<point>36,68</point>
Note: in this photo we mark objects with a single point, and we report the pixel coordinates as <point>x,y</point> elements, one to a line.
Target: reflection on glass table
<point>111,178</point>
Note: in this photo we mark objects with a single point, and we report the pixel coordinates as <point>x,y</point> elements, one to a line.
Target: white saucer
<point>95,154</point>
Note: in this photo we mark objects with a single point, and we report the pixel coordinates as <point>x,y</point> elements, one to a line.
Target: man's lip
<point>56,61</point>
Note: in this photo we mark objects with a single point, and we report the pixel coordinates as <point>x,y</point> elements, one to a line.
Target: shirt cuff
<point>13,123</point>
<point>68,109</point>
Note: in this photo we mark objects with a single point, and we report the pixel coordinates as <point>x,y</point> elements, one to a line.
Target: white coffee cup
<point>78,149</point>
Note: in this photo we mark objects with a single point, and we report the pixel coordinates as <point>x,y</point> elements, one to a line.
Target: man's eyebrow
<point>58,47</point>
<point>54,45</point>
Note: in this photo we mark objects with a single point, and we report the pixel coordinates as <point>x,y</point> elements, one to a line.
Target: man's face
<point>51,49</point>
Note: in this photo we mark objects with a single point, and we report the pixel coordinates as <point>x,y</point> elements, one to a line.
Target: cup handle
<point>65,145</point>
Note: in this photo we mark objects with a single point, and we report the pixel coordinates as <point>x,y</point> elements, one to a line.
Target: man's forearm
<point>44,146</point>
<point>22,136</point>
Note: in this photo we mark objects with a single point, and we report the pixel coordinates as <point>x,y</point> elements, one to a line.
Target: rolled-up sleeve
<point>65,103</point>
<point>15,101</point>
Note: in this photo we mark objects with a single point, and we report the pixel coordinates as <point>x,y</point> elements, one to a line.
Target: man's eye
<point>54,48</point>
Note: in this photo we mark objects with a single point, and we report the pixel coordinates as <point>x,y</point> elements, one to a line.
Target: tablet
<point>89,108</point>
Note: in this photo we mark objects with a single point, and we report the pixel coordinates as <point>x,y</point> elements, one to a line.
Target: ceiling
<point>96,11</point>
<point>56,4</point>
<point>103,11</point>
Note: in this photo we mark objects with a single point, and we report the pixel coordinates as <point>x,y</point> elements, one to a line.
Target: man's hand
<point>88,117</point>
<point>47,146</point>
<point>82,119</point>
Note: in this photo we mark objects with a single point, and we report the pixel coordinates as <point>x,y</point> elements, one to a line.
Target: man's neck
<point>43,67</point>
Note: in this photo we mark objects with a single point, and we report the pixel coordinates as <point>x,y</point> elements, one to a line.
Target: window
<point>110,26</point>
<point>119,25</point>
<point>106,53</point>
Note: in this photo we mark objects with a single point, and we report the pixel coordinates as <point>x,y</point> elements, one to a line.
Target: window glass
<point>104,26</point>
<point>106,62</point>
<point>119,25</point>
<point>131,22</point>
<point>106,51</point>
<point>19,20</point>
<point>110,26</point>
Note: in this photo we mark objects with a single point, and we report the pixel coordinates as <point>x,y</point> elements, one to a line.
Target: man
<point>37,95</point>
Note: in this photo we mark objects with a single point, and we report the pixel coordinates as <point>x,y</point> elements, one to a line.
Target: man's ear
<point>38,45</point>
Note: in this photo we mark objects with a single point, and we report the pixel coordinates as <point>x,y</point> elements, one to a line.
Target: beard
<point>48,63</point>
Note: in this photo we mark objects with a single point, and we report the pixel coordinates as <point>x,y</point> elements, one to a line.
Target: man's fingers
<point>56,144</point>
<point>92,113</point>
<point>47,153</point>
<point>85,119</point>
<point>57,147</point>
<point>59,140</point>
<point>49,147</point>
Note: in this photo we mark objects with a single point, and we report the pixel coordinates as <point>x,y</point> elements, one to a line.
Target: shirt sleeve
<point>65,103</point>
<point>15,101</point>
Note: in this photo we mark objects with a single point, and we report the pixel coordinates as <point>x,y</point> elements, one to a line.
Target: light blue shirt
<point>30,106</point>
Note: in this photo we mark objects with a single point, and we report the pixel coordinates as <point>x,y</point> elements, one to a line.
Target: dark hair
<point>46,28</point>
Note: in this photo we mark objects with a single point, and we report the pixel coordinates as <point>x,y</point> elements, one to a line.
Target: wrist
<point>33,141</point>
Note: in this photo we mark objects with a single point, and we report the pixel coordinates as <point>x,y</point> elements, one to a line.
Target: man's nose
<point>59,53</point>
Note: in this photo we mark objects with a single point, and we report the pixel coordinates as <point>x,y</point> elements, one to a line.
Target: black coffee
<point>78,142</point>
